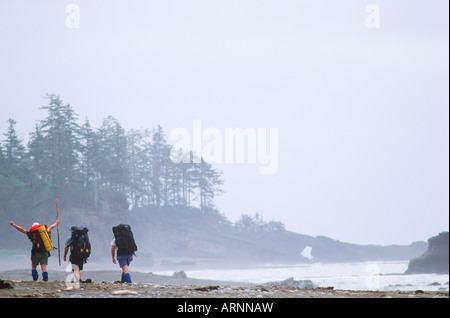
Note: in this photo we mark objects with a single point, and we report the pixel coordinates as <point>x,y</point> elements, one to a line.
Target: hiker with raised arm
<point>39,235</point>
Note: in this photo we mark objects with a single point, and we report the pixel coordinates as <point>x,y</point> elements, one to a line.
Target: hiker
<point>80,249</point>
<point>39,253</point>
<point>124,242</point>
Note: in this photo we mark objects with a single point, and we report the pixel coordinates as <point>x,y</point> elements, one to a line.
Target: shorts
<point>39,258</point>
<point>77,263</point>
<point>124,259</point>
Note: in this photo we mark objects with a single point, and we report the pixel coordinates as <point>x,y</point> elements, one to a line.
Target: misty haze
<point>247,142</point>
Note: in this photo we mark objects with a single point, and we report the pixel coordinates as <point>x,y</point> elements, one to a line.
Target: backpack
<point>124,239</point>
<point>36,239</point>
<point>81,246</point>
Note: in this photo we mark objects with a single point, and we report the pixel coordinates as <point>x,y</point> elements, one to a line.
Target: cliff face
<point>435,259</point>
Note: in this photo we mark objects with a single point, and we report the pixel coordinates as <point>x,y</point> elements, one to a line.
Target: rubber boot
<point>127,278</point>
<point>45,276</point>
<point>35,274</point>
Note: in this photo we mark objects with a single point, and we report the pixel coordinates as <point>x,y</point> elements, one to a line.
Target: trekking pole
<point>57,230</point>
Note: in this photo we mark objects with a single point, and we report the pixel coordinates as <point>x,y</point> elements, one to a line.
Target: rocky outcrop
<point>435,259</point>
<point>291,282</point>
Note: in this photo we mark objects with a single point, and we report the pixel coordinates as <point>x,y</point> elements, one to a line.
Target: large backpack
<point>81,246</point>
<point>124,239</point>
<point>36,239</point>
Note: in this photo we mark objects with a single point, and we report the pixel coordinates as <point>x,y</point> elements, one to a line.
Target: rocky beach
<point>103,284</point>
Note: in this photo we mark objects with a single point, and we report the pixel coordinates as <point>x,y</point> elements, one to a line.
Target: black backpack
<point>124,239</point>
<point>81,246</point>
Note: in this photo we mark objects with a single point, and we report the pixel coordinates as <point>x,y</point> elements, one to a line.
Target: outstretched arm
<point>51,227</point>
<point>18,228</point>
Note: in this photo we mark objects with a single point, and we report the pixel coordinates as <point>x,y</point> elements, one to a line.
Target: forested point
<point>84,167</point>
<point>76,162</point>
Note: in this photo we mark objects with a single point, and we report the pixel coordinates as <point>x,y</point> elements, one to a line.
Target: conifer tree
<point>14,152</point>
<point>55,145</point>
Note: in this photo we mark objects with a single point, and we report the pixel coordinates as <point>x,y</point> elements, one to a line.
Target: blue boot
<point>127,278</point>
<point>45,276</point>
<point>34,274</point>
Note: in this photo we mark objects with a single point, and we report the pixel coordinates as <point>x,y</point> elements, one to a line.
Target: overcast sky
<point>360,103</point>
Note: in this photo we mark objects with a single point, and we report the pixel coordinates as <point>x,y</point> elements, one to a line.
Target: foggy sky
<point>362,113</point>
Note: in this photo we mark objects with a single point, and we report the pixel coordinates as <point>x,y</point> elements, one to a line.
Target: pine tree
<point>3,166</point>
<point>139,166</point>
<point>55,146</point>
<point>208,182</point>
<point>111,161</point>
<point>89,151</point>
<point>14,152</point>
<point>159,154</point>
<point>37,153</point>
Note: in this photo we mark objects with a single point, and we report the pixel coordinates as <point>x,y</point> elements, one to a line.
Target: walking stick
<point>57,230</point>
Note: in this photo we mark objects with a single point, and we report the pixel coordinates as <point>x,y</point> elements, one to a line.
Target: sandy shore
<point>17,284</point>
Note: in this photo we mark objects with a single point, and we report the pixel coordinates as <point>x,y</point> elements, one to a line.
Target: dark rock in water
<point>290,282</point>
<point>435,259</point>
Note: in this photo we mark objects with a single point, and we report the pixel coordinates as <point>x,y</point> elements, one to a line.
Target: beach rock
<point>180,274</point>
<point>207,288</point>
<point>5,285</point>
<point>291,282</point>
<point>435,259</point>
<point>326,288</point>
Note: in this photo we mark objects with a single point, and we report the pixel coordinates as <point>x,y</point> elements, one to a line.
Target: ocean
<point>384,276</point>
